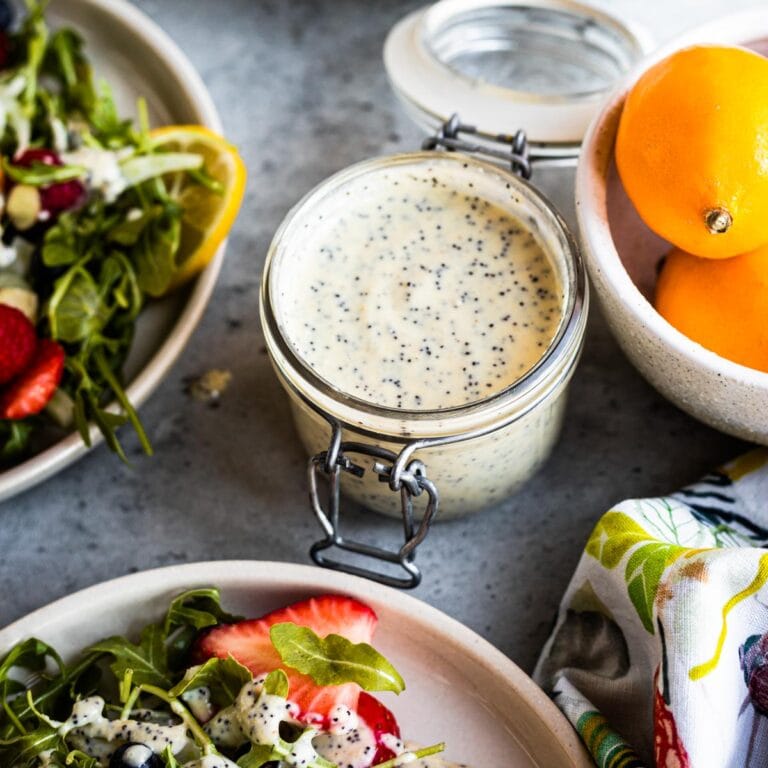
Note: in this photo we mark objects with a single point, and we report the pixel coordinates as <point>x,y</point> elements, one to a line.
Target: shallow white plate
<point>136,58</point>
<point>461,690</point>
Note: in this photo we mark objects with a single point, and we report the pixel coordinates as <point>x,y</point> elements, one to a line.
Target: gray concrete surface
<point>302,92</point>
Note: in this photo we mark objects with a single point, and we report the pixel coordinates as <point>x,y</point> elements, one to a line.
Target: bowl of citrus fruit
<point>672,203</point>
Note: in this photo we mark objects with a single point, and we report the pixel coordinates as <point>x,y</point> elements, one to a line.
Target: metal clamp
<point>402,474</point>
<point>515,149</point>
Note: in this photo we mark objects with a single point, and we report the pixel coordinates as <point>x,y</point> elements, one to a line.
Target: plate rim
<point>43,465</point>
<point>266,573</point>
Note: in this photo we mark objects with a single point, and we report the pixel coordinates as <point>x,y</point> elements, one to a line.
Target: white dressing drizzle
<point>224,728</point>
<point>211,761</point>
<point>342,720</point>
<point>260,713</point>
<point>255,716</point>
<point>94,734</point>
<point>355,749</point>
<point>199,702</point>
<point>103,167</point>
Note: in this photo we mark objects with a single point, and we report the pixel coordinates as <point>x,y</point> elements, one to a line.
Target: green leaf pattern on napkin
<point>615,536</point>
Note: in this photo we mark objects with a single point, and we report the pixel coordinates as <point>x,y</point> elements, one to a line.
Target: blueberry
<point>7,14</point>
<point>132,755</point>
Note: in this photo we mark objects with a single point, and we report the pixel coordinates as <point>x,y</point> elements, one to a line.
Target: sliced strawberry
<point>381,721</point>
<point>17,342</point>
<point>30,392</point>
<point>249,642</point>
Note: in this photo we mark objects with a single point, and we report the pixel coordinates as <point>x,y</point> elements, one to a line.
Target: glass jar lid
<point>540,65</point>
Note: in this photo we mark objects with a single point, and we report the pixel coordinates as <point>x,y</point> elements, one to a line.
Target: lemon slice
<point>208,214</point>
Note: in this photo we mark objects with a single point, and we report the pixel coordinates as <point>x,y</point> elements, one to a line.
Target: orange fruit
<point>720,303</point>
<point>692,150</point>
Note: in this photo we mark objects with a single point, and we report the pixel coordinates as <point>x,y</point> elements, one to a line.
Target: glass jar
<point>475,454</point>
<point>463,457</point>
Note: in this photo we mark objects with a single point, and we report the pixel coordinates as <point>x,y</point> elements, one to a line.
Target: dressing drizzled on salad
<point>97,216</point>
<point>204,689</point>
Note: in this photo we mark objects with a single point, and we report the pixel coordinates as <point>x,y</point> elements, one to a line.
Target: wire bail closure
<point>404,475</point>
<point>515,151</point>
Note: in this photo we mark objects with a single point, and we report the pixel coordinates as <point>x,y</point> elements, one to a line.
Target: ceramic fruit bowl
<point>622,255</point>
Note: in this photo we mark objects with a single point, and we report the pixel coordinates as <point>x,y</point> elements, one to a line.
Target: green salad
<point>92,226</point>
<point>205,689</point>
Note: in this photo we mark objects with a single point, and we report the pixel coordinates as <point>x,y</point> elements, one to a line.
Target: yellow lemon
<point>208,214</point>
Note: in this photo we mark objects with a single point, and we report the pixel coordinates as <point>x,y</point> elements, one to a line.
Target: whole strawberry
<point>17,342</point>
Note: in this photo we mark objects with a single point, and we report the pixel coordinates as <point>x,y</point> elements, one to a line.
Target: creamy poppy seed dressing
<point>427,284</point>
<point>413,291</point>
<point>254,717</point>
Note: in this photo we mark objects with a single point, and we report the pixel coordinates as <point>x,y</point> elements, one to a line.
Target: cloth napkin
<point>659,654</point>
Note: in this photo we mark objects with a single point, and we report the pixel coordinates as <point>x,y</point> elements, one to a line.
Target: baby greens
<point>93,265</point>
<point>126,683</point>
<point>334,660</point>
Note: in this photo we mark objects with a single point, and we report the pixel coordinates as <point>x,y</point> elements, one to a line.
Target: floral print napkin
<point>659,655</point>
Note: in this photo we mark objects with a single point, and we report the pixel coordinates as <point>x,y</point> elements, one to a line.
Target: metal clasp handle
<point>409,479</point>
<point>514,149</point>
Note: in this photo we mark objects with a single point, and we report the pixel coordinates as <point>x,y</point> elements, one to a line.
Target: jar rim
<point>566,342</point>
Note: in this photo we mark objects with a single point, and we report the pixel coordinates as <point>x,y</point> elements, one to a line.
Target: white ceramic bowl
<point>621,255</point>
<point>461,690</point>
<point>136,58</point>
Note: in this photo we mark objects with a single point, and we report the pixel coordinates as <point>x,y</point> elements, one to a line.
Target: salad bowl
<point>460,689</point>
<point>131,53</point>
<point>622,256</point>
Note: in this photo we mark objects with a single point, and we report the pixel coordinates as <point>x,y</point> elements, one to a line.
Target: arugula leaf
<point>23,750</point>
<point>128,231</point>
<point>34,39</point>
<point>148,659</point>
<point>14,438</point>
<point>258,755</point>
<point>169,758</point>
<point>76,310</point>
<point>188,613</point>
<point>334,660</point>
<point>65,60</point>
<point>60,244</point>
<point>31,654</point>
<point>224,677</point>
<point>120,283</point>
<point>199,608</point>
<point>109,129</point>
<point>48,693</point>
<point>276,683</point>
<point>155,252</point>
<point>80,760</point>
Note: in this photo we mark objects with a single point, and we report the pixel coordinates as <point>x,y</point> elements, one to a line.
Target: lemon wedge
<point>208,214</point>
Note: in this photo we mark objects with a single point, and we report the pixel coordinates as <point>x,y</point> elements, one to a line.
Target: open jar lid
<point>543,66</point>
